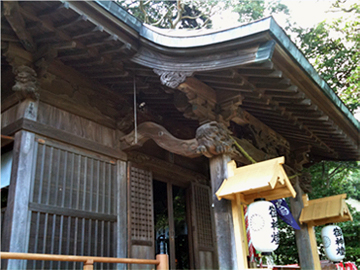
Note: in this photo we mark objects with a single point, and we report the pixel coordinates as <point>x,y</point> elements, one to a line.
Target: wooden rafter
<point>17,23</point>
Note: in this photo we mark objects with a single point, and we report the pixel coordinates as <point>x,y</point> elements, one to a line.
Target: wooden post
<point>239,231</point>
<point>164,262</point>
<point>224,228</point>
<point>17,216</point>
<point>89,265</point>
<point>312,238</point>
<point>302,236</point>
<point>121,212</point>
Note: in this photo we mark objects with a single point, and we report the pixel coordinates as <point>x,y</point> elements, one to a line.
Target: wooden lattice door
<point>203,227</point>
<point>140,214</point>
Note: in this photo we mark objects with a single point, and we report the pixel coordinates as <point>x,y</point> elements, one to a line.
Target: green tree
<point>196,14</point>
<point>334,50</point>
<point>179,14</point>
<point>332,178</point>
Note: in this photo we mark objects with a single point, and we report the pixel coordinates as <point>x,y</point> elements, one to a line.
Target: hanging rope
<point>135,113</point>
<point>243,151</point>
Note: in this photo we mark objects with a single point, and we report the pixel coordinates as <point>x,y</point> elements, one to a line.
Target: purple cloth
<point>283,211</point>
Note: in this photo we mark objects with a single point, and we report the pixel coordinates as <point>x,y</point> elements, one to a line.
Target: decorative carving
<point>150,130</point>
<point>172,79</point>
<point>299,157</point>
<point>245,126</point>
<point>214,139</point>
<point>26,82</point>
<point>202,100</point>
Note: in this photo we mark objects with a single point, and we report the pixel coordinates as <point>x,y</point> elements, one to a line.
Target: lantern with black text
<point>333,241</point>
<point>263,226</point>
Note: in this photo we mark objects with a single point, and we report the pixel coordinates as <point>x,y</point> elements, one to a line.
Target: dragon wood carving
<point>211,139</point>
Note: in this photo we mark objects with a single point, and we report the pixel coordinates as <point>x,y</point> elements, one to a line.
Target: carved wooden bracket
<point>211,139</point>
<point>299,157</point>
<point>150,130</point>
<point>172,79</point>
<point>26,83</point>
<point>201,100</point>
<point>215,139</point>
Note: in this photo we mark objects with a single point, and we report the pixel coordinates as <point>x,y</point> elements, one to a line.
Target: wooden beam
<point>60,135</point>
<point>17,23</point>
<point>198,87</point>
<point>65,37</point>
<point>51,10</point>
<point>87,32</point>
<point>70,22</point>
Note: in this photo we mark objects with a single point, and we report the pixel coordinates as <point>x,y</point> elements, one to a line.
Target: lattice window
<point>73,205</point>
<point>203,216</point>
<point>141,205</point>
<point>74,180</point>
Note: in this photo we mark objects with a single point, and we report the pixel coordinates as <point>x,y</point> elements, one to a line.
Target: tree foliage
<point>179,14</point>
<point>196,14</point>
<point>334,50</point>
<point>332,178</point>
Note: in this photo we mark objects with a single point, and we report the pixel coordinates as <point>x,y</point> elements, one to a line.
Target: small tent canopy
<point>265,179</point>
<point>325,210</point>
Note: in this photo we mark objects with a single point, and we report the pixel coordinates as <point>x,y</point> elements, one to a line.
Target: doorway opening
<point>171,223</point>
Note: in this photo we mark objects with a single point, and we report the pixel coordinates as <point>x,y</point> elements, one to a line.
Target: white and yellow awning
<point>321,211</point>
<point>266,179</point>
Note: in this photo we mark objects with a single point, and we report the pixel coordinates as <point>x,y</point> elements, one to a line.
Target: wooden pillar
<point>121,212</point>
<point>224,228</point>
<point>303,239</point>
<point>240,234</point>
<point>17,216</point>
<point>312,238</point>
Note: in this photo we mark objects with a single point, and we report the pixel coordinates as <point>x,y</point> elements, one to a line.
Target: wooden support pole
<point>121,228</point>
<point>240,236</point>
<point>312,238</point>
<point>16,226</point>
<point>224,228</point>
<point>302,236</point>
<point>164,262</point>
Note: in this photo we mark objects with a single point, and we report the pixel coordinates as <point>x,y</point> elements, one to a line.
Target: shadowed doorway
<point>171,225</point>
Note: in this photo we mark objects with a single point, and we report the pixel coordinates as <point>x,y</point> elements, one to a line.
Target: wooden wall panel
<point>76,125</point>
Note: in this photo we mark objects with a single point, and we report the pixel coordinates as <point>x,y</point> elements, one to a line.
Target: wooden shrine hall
<point>118,134</point>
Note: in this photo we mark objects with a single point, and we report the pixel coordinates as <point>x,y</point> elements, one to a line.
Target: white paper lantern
<point>263,226</point>
<point>333,241</point>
